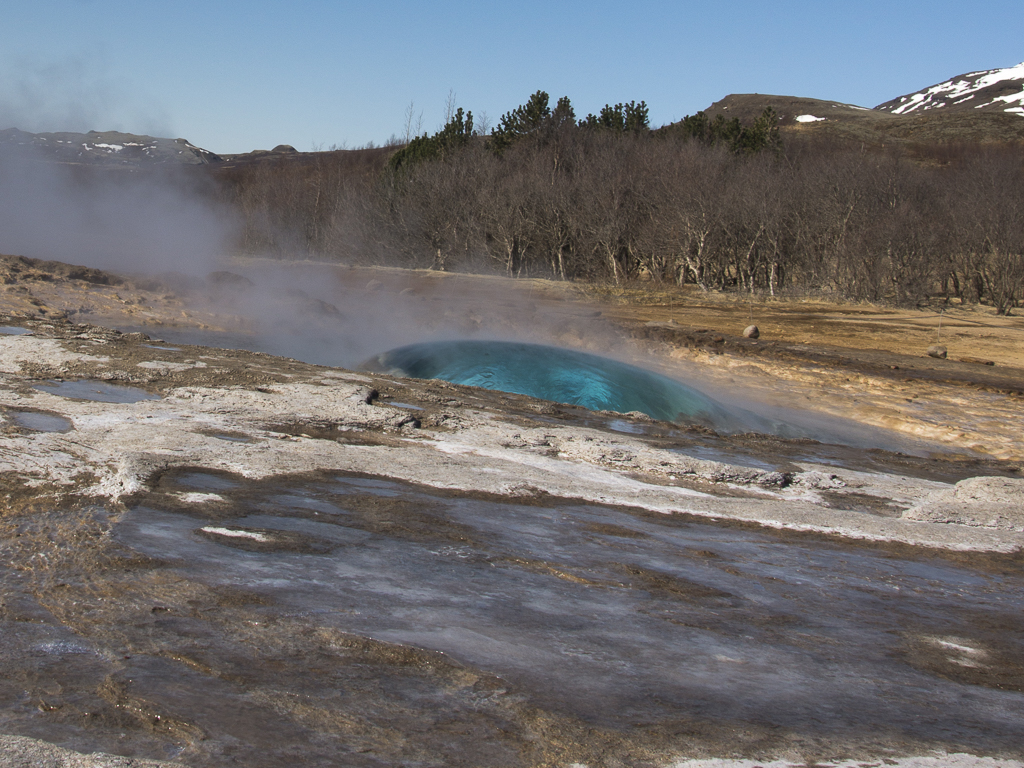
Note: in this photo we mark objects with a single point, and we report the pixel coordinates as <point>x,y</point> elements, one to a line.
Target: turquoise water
<point>565,376</point>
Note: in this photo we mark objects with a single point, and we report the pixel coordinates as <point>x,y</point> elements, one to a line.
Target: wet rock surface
<point>466,629</point>
<point>270,562</point>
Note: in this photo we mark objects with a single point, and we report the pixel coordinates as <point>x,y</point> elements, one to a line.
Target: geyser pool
<point>564,376</point>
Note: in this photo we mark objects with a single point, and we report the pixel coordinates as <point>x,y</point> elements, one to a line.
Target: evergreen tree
<point>622,118</point>
<point>521,121</point>
<point>534,119</point>
<point>456,133</point>
<point>762,135</point>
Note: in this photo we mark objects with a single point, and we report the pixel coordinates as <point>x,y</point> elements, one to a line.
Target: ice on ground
<point>199,498</point>
<point>237,534</point>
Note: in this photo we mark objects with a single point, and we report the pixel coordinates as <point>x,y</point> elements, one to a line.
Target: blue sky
<point>236,76</point>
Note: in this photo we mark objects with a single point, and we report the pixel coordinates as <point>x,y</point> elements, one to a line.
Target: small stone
<point>937,351</point>
<point>751,332</point>
<point>718,339</point>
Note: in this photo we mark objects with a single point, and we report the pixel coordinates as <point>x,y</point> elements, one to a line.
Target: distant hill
<point>992,90</point>
<point>749,106</point>
<point>978,108</point>
<point>984,107</point>
<point>106,148</point>
<point>802,118</point>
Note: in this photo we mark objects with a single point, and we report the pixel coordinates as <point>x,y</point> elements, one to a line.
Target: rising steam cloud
<point>152,221</point>
<point>138,220</point>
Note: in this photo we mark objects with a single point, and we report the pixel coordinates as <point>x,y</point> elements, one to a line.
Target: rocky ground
<point>118,645</point>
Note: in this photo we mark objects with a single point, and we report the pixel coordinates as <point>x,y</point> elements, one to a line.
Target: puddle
<point>40,422</point>
<point>231,437</point>
<point>726,457</point>
<point>13,330</point>
<point>199,481</point>
<point>615,617</point>
<point>408,406</point>
<point>97,391</point>
<point>626,427</point>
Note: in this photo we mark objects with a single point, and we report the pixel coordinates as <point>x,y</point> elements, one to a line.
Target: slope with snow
<point>989,90</point>
<point>105,148</point>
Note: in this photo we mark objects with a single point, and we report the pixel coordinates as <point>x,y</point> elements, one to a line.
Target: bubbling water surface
<point>568,376</point>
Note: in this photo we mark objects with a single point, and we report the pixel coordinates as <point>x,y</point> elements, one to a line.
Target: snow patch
<point>809,119</point>
<point>960,89</point>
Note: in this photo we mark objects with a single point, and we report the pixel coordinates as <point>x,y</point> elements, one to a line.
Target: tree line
<point>714,203</point>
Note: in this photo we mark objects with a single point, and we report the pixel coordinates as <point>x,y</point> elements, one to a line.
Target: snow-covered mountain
<point>106,148</point>
<point>992,90</point>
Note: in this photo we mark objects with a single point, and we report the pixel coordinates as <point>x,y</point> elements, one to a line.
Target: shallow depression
<point>97,391</point>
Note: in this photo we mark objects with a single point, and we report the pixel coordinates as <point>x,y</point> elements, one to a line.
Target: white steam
<point>113,219</point>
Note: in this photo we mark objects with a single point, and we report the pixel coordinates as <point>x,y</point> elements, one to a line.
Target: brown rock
<point>937,351</point>
<point>751,332</point>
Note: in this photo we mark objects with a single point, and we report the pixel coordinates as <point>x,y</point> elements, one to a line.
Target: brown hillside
<point>846,122</point>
